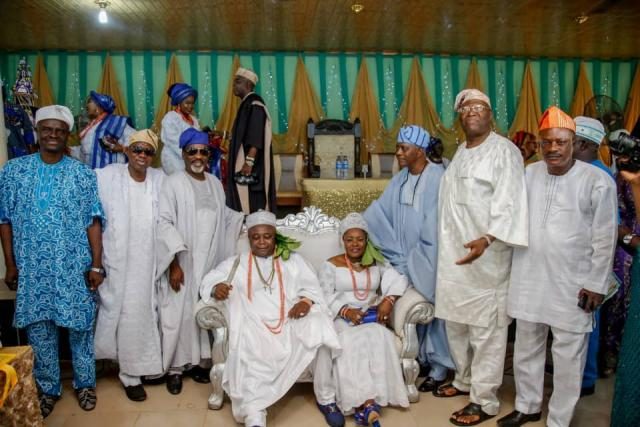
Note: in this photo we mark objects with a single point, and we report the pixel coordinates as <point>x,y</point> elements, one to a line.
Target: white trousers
<point>324,385</point>
<point>258,418</point>
<point>129,380</point>
<point>569,351</point>
<point>478,354</point>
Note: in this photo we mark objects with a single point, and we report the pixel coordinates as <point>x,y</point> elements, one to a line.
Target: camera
<point>624,145</point>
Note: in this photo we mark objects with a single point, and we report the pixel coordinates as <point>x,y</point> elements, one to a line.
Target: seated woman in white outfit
<point>360,288</point>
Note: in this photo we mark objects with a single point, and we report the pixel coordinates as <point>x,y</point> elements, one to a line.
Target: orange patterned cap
<point>556,118</point>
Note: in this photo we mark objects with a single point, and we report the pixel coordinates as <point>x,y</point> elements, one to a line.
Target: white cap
<point>260,217</point>
<point>56,112</point>
<point>590,129</point>
<point>247,74</point>
<point>469,95</point>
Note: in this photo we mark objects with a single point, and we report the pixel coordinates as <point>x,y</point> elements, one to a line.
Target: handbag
<point>370,316</point>
<point>241,179</point>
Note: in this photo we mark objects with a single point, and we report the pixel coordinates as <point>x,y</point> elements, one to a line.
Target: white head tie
<point>353,220</point>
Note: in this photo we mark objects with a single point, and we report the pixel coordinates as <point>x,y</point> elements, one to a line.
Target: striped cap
<point>589,129</point>
<point>556,118</point>
<point>415,135</point>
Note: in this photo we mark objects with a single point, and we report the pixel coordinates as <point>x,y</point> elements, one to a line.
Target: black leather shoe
<point>516,419</point>
<point>154,380</point>
<point>429,384</point>
<point>424,371</point>
<point>587,391</point>
<point>174,383</point>
<point>199,375</point>
<point>136,393</point>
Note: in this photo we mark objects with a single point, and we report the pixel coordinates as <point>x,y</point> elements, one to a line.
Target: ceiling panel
<point>480,27</point>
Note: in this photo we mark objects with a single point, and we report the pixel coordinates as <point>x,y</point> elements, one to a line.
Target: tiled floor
<point>297,408</point>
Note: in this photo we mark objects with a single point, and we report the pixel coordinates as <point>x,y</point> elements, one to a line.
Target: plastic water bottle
<point>345,166</point>
<point>338,167</point>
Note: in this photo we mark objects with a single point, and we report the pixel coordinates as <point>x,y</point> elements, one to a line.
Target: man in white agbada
<point>196,232</point>
<point>483,214</point>
<point>562,277</point>
<point>277,320</point>
<point>127,325</point>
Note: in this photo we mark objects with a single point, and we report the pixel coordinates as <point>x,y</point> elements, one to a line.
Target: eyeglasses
<point>476,108</point>
<point>45,130</point>
<point>201,151</point>
<point>149,152</point>
<point>559,142</point>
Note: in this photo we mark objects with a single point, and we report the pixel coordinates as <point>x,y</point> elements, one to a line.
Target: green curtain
<point>141,76</point>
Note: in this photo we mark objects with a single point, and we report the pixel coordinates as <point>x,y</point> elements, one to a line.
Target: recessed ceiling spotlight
<point>581,19</point>
<point>357,7</point>
<point>102,16</point>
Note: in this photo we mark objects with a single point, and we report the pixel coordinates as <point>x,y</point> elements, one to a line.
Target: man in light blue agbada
<point>50,227</point>
<point>404,225</point>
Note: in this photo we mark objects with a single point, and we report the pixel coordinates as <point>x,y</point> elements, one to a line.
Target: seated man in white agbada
<point>361,289</point>
<point>277,319</point>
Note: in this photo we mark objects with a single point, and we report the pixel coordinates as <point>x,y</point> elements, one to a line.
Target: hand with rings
<point>299,310</point>
<point>384,310</point>
<point>354,315</point>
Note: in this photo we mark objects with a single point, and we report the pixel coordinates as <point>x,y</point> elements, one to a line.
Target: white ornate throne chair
<point>319,236</point>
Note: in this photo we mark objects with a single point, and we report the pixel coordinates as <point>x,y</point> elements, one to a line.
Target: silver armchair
<point>318,234</point>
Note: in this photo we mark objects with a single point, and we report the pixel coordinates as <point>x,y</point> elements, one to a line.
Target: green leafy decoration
<point>371,254</point>
<point>285,245</point>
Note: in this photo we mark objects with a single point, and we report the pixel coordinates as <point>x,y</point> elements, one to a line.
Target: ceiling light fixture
<point>581,19</point>
<point>102,16</point>
<point>357,7</point>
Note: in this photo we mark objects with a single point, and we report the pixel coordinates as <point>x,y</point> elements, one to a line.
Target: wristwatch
<point>99,271</point>
<point>628,238</point>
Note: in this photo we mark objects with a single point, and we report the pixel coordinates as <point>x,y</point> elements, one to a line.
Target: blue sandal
<point>368,416</point>
<point>332,414</point>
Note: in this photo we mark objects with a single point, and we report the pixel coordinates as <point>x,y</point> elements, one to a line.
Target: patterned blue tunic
<point>50,207</point>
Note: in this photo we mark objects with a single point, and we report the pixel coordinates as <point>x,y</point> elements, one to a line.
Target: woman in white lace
<point>361,288</point>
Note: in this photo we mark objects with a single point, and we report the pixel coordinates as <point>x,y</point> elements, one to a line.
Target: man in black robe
<point>250,153</point>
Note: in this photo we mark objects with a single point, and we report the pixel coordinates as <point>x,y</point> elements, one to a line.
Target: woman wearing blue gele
<point>183,99</point>
<point>360,288</point>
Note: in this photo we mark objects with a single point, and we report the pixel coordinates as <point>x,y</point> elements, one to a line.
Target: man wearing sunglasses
<point>196,232</point>
<point>127,329</point>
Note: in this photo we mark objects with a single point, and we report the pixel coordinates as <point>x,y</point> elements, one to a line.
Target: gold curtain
<point>417,109</point>
<point>304,105</point>
<point>109,86</point>
<point>528,112</point>
<point>632,110</point>
<point>364,105</point>
<point>231,102</point>
<point>173,76</point>
<point>583,93</point>
<point>41,84</point>
<point>474,81</point>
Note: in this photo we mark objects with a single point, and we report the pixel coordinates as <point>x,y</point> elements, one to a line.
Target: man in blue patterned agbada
<point>50,227</point>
